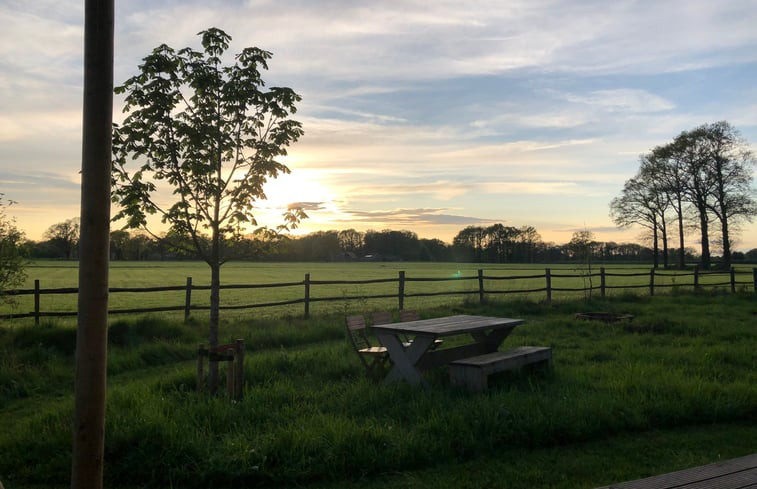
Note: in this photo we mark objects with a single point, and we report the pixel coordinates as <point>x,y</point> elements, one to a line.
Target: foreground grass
<point>620,404</point>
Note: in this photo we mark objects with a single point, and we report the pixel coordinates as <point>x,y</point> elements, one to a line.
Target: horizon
<point>428,119</point>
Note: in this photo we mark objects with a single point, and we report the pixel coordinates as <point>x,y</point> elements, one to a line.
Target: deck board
<point>737,473</point>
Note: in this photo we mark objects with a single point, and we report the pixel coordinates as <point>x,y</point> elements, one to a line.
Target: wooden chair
<point>381,317</point>
<point>411,315</point>
<point>373,358</point>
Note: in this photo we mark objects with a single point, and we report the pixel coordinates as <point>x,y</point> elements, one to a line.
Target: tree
<point>637,205</point>
<point>12,261</point>
<point>729,162</point>
<point>64,236</point>
<point>210,134</point>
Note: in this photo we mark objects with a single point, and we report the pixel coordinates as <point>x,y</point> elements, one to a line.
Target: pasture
<point>676,390</point>
<point>508,280</point>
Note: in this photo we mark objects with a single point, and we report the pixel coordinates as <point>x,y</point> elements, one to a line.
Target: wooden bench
<point>473,372</point>
<point>737,473</point>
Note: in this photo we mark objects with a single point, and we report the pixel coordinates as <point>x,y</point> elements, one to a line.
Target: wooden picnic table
<point>487,333</point>
<point>737,473</point>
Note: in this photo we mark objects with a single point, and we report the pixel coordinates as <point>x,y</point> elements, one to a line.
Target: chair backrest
<point>381,317</point>
<point>356,329</point>
<point>409,315</point>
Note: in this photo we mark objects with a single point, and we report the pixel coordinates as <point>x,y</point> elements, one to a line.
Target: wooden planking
<point>737,473</point>
<point>474,372</point>
<point>451,325</point>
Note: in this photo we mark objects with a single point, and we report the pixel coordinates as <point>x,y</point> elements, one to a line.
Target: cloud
<point>419,216</point>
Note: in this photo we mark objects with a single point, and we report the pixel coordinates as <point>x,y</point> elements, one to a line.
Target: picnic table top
<point>449,325</point>
<point>737,473</point>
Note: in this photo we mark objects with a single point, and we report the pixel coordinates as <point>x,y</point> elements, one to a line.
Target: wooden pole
<point>36,302</point>
<point>754,277</point>
<point>481,299</point>
<point>201,368</point>
<point>696,278</point>
<point>188,300</point>
<point>239,374</point>
<point>401,291</point>
<point>602,282</point>
<point>548,276</point>
<point>651,282</point>
<point>307,295</point>
<point>733,280</point>
<point>92,330</point>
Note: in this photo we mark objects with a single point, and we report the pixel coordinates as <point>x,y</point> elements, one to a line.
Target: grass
<point>620,403</point>
<point>57,274</point>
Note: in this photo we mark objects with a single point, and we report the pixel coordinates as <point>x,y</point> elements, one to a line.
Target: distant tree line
<point>478,244</point>
<point>699,182</point>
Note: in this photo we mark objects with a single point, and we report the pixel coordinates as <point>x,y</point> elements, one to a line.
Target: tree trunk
<point>704,227</point>
<point>215,303</point>
<point>656,247</point>
<point>92,330</point>
<point>726,240</point>
<point>682,257</point>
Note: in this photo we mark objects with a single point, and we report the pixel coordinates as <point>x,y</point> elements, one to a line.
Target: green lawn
<point>345,297</point>
<point>677,390</point>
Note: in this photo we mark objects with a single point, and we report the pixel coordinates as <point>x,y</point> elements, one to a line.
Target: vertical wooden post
<point>651,282</point>
<point>87,461</point>
<point>481,299</point>
<point>733,280</point>
<point>401,291</point>
<point>36,302</point>
<point>239,374</point>
<point>754,277</point>
<point>307,295</point>
<point>548,276</point>
<point>602,281</point>
<point>201,368</point>
<point>230,370</point>
<point>696,278</point>
<point>188,300</point>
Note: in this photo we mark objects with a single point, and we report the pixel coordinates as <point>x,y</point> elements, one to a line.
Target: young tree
<point>12,261</point>
<point>209,134</point>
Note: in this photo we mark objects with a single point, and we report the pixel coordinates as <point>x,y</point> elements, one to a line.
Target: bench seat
<point>473,372</point>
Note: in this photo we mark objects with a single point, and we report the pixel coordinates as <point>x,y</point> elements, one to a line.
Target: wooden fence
<point>307,285</point>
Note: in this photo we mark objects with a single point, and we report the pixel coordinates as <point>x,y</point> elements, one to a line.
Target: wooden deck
<point>737,473</point>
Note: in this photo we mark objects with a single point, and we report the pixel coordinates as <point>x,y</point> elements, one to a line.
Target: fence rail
<point>401,280</point>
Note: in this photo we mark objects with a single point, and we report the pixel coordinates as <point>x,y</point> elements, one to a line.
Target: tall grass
<point>309,415</point>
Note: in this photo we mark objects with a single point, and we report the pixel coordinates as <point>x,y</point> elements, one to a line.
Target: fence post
<point>651,282</point>
<point>239,374</point>
<point>696,278</point>
<point>602,281</point>
<point>307,295</point>
<point>733,280</point>
<point>548,276</point>
<point>481,299</point>
<point>401,291</point>
<point>754,275</point>
<point>188,299</point>
<point>36,302</point>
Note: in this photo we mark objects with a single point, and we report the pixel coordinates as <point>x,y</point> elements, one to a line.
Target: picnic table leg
<point>405,359</point>
<point>492,339</point>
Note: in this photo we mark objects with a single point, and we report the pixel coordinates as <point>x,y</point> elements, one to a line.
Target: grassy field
<point>58,274</point>
<point>676,389</point>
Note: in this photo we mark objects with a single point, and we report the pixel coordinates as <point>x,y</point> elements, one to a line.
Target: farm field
<point>342,298</point>
<point>673,388</point>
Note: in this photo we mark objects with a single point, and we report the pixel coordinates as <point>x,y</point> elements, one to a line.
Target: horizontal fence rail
<point>483,287</point>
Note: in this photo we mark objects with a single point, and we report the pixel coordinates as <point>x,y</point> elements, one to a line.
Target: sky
<point>426,116</point>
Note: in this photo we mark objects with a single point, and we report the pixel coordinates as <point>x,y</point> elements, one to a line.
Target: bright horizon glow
<point>428,118</point>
